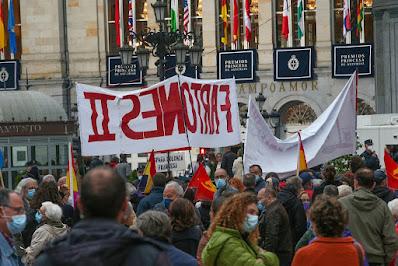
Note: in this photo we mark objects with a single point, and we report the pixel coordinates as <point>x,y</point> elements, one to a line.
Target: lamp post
<point>162,43</point>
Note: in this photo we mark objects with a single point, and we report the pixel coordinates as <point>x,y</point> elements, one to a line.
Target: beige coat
<point>40,239</point>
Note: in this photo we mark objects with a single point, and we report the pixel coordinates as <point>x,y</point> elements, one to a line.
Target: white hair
<point>52,211</point>
<point>21,185</point>
<point>179,190</point>
<point>344,190</point>
<point>48,178</point>
<point>393,206</point>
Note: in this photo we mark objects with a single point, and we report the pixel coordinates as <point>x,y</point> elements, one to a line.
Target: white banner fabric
<point>330,136</point>
<point>176,113</point>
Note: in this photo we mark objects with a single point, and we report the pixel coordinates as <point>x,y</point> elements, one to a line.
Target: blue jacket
<point>151,200</point>
<point>260,184</point>
<point>180,258</point>
<point>8,257</point>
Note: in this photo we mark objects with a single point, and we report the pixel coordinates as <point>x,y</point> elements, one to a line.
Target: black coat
<point>295,210</point>
<point>384,193</point>
<point>371,162</point>
<point>103,242</point>
<point>227,162</point>
<point>275,235</point>
<point>187,240</point>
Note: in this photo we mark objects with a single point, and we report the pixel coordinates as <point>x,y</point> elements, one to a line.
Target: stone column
<point>386,55</point>
<point>265,46</point>
<point>154,26</point>
<point>323,34</point>
<point>209,24</point>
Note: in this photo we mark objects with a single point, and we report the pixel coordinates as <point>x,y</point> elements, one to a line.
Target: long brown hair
<point>233,214</point>
<point>182,214</point>
<point>47,191</point>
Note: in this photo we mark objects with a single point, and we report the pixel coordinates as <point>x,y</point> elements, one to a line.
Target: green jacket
<point>227,247</point>
<point>371,223</point>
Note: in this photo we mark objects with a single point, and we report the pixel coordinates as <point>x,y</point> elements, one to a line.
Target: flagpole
<point>348,32</point>
<point>121,23</point>
<point>362,34</point>
<point>290,36</point>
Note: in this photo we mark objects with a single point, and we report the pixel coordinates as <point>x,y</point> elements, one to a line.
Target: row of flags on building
<point>347,21</point>
<point>12,42</point>
<point>235,22</point>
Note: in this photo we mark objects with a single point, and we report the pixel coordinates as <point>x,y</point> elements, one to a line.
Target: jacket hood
<point>287,197</point>
<point>364,200</point>
<point>94,241</point>
<point>57,229</point>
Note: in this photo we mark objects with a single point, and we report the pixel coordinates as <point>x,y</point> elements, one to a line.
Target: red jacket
<point>328,251</point>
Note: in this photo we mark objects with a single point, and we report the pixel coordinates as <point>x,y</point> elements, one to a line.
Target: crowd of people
<point>255,218</point>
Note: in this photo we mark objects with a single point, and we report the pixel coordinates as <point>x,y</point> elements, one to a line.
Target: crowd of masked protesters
<point>317,217</point>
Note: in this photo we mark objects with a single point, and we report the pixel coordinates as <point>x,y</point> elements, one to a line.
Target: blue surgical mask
<point>307,205</point>
<point>38,217</point>
<point>260,206</point>
<point>167,202</point>
<point>31,193</point>
<point>220,183</point>
<point>17,224</point>
<point>250,223</point>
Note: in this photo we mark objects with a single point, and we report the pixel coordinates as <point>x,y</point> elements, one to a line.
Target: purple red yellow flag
<point>149,172</point>
<point>71,180</point>
<point>301,160</point>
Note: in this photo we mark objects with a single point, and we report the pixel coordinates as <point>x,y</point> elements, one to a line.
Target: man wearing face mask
<point>12,221</point>
<point>172,190</point>
<point>220,180</point>
<point>258,172</point>
<point>274,227</point>
<point>370,157</point>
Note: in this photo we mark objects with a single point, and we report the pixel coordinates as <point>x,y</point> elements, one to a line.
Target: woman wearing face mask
<point>233,235</point>
<point>26,188</point>
<point>50,215</point>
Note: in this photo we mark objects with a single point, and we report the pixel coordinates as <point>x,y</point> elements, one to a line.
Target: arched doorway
<point>295,116</point>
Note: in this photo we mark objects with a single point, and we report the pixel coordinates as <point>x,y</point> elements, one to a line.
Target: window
<point>39,154</point>
<point>59,154</point>
<point>240,43</point>
<point>309,23</point>
<point>17,29</point>
<point>19,156</point>
<point>367,23</point>
<point>141,22</point>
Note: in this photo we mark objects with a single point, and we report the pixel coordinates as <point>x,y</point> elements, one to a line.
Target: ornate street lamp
<point>126,54</point>
<point>195,54</point>
<point>160,10</point>
<point>260,99</point>
<point>180,51</point>
<point>143,57</point>
<point>274,118</point>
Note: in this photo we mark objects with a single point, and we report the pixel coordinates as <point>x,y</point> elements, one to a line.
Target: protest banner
<point>176,113</point>
<point>330,136</point>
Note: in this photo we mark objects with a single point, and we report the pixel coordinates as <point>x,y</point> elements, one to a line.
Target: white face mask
<point>370,148</point>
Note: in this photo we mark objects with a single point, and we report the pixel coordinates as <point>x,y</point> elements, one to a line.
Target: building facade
<point>71,41</point>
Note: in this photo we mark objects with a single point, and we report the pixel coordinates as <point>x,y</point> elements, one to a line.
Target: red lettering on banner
<point>227,107</point>
<point>157,112</point>
<point>191,126</point>
<point>134,113</point>
<point>104,98</point>
<point>214,110</point>
<point>196,88</point>
<point>172,109</point>
<point>206,106</point>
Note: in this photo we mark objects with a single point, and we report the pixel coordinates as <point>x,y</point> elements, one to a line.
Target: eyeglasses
<point>220,176</point>
<point>16,209</point>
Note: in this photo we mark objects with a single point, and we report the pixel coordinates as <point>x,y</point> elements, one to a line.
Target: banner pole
<point>185,123</point>
<point>1,180</point>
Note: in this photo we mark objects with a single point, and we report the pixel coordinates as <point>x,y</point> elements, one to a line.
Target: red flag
<point>117,23</point>
<point>391,170</point>
<point>204,187</point>
<point>285,20</point>
<point>235,20</point>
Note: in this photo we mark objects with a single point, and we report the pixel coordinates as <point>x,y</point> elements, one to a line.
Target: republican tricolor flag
<point>71,180</point>
<point>224,17</point>
<point>301,160</point>
<point>146,182</point>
